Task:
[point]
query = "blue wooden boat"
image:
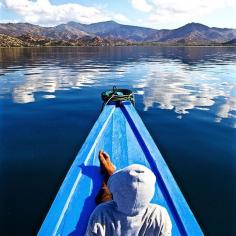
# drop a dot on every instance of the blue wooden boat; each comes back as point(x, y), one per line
point(120, 132)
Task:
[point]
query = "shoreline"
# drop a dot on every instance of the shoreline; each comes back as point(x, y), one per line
point(135, 45)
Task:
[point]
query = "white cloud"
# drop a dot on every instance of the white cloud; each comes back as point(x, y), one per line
point(120, 18)
point(45, 13)
point(179, 11)
point(141, 5)
point(9, 21)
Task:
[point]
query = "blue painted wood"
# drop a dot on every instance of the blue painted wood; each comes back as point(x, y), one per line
point(119, 131)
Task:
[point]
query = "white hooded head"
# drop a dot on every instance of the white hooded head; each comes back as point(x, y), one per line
point(132, 188)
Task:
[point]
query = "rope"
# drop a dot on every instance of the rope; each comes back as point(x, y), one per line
point(116, 98)
point(105, 103)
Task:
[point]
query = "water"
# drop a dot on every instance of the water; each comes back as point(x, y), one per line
point(50, 98)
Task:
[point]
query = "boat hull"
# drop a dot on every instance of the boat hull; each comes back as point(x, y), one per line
point(120, 132)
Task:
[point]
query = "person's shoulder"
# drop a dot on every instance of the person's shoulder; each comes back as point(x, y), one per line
point(158, 213)
point(159, 219)
point(157, 208)
point(104, 209)
point(99, 218)
point(106, 205)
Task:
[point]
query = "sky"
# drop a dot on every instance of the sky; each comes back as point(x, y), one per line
point(157, 14)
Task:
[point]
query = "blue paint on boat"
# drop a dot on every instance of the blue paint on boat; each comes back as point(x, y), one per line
point(120, 132)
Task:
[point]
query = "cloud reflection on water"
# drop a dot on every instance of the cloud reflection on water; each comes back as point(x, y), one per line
point(168, 84)
point(177, 87)
point(47, 81)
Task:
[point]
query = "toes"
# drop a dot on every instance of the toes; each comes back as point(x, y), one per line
point(100, 153)
point(106, 156)
point(103, 161)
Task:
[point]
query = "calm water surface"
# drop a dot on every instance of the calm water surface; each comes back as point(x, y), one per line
point(50, 98)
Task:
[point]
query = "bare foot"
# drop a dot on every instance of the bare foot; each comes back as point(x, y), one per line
point(107, 166)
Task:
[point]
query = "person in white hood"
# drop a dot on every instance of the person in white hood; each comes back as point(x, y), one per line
point(124, 203)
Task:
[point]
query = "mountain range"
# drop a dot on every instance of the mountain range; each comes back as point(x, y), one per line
point(112, 33)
